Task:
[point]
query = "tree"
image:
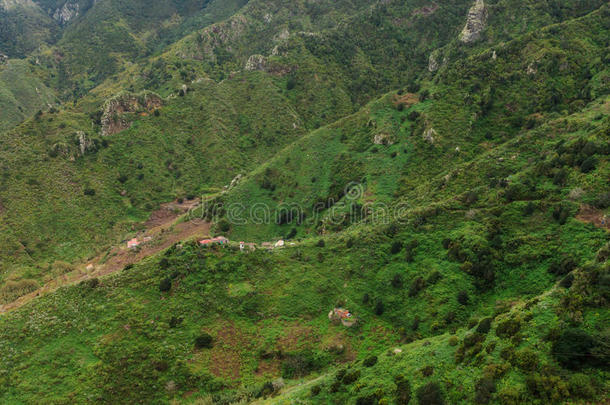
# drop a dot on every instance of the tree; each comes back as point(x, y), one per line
point(204, 341)
point(403, 390)
point(165, 284)
point(574, 348)
point(430, 394)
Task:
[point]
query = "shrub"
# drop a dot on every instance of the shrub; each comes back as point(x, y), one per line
point(434, 277)
point(174, 321)
point(527, 359)
point(548, 388)
point(567, 281)
point(397, 281)
point(430, 394)
point(300, 364)
point(165, 284)
point(351, 377)
point(204, 341)
point(580, 386)
point(483, 389)
point(379, 309)
point(508, 328)
point(321, 243)
point(416, 286)
point(484, 325)
point(89, 192)
point(588, 164)
point(574, 348)
point(427, 371)
point(224, 225)
point(462, 298)
point(562, 268)
point(453, 341)
point(315, 390)
point(403, 390)
point(370, 361)
point(396, 247)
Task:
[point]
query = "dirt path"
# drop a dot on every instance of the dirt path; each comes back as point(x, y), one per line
point(163, 229)
point(593, 216)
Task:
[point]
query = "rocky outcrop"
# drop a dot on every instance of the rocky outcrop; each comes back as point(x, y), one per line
point(85, 143)
point(383, 138)
point(429, 135)
point(256, 62)
point(433, 64)
point(3, 58)
point(475, 23)
point(66, 13)
point(118, 111)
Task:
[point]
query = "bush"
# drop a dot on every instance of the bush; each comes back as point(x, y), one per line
point(396, 247)
point(315, 390)
point(89, 192)
point(508, 328)
point(483, 389)
point(370, 361)
point(300, 364)
point(321, 243)
point(204, 341)
point(567, 281)
point(416, 286)
point(527, 359)
point(434, 277)
point(588, 165)
point(580, 386)
point(462, 298)
point(351, 377)
point(453, 341)
point(574, 348)
point(427, 371)
point(562, 268)
point(403, 390)
point(430, 394)
point(484, 325)
point(548, 388)
point(224, 225)
point(379, 309)
point(397, 281)
point(165, 285)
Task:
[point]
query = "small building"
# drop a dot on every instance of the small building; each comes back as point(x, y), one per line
point(279, 243)
point(242, 246)
point(342, 315)
point(133, 243)
point(219, 240)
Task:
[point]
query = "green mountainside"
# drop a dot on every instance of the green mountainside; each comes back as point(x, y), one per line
point(439, 169)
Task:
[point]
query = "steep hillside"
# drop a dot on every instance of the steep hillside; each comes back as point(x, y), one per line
point(439, 170)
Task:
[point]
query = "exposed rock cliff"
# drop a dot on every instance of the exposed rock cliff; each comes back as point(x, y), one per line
point(118, 110)
point(475, 23)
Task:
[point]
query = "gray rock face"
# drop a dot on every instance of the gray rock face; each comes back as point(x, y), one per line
point(67, 12)
point(475, 23)
point(3, 58)
point(256, 62)
point(85, 143)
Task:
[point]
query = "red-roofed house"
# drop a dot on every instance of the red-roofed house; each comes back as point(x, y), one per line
point(132, 244)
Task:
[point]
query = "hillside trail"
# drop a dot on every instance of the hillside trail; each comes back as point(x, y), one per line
point(165, 227)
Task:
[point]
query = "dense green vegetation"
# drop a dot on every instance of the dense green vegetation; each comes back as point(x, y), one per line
point(453, 196)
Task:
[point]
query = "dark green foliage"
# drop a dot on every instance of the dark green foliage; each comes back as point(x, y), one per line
point(484, 326)
point(483, 390)
point(563, 267)
point(351, 377)
point(379, 309)
point(575, 349)
point(396, 247)
point(315, 390)
point(402, 395)
point(434, 277)
point(204, 341)
point(370, 361)
point(321, 243)
point(462, 298)
point(588, 164)
point(89, 192)
point(430, 394)
point(301, 364)
point(416, 286)
point(165, 285)
point(224, 225)
point(567, 281)
point(508, 328)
